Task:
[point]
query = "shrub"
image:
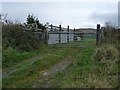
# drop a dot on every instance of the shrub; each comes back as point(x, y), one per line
point(14, 37)
point(106, 53)
point(106, 58)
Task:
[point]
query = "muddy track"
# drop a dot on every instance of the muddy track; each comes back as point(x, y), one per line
point(43, 81)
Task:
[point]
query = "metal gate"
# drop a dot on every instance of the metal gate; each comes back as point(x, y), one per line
point(64, 37)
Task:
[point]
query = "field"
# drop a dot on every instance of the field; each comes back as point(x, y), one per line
point(70, 65)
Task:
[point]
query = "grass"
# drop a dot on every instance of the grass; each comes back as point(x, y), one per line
point(29, 72)
point(75, 76)
point(86, 42)
point(83, 73)
point(11, 57)
point(87, 73)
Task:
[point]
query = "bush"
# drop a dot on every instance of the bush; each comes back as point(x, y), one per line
point(106, 53)
point(106, 60)
point(14, 37)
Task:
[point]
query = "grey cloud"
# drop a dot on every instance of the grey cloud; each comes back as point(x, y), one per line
point(119, 14)
point(73, 14)
point(105, 17)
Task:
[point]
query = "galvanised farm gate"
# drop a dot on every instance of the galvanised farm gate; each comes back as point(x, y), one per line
point(58, 34)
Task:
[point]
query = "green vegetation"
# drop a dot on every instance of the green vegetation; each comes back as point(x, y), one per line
point(32, 20)
point(14, 37)
point(12, 57)
point(87, 72)
point(90, 68)
point(87, 42)
point(25, 59)
point(25, 70)
point(26, 74)
point(76, 75)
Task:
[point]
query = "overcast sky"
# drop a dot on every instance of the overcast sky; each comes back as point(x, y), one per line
point(75, 14)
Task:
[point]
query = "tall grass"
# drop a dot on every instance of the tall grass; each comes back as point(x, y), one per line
point(106, 57)
point(12, 57)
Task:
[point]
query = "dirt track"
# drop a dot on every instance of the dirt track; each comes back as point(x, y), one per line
point(46, 76)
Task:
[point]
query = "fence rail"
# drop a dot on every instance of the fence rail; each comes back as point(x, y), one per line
point(51, 29)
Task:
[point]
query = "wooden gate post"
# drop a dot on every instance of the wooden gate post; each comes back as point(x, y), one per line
point(74, 36)
point(68, 33)
point(51, 27)
point(98, 34)
point(59, 33)
point(46, 36)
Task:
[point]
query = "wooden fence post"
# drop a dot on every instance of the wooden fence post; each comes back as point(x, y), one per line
point(98, 34)
point(39, 35)
point(74, 36)
point(46, 37)
point(68, 33)
point(59, 33)
point(51, 27)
